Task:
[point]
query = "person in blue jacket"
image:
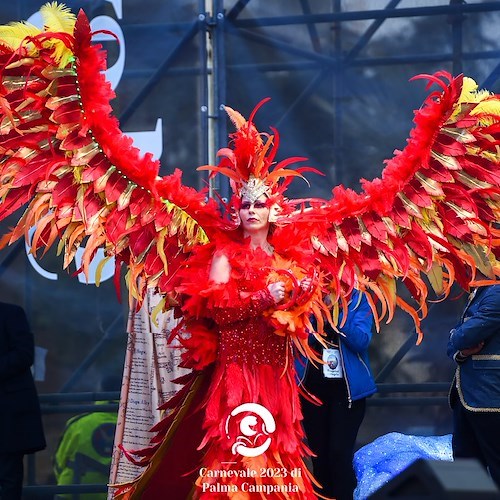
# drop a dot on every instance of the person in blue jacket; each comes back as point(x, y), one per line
point(474, 344)
point(342, 383)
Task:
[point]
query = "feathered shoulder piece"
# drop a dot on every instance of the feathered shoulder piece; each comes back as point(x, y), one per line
point(64, 155)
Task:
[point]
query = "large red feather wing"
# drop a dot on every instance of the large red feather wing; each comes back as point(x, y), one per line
point(84, 183)
point(431, 219)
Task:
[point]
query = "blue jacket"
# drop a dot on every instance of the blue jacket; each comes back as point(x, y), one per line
point(478, 376)
point(353, 348)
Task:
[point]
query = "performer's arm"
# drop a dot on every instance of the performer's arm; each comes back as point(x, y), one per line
point(242, 309)
point(239, 308)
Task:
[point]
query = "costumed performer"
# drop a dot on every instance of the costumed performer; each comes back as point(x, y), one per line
point(244, 299)
point(429, 222)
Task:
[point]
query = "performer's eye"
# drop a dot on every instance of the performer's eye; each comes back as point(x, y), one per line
point(258, 204)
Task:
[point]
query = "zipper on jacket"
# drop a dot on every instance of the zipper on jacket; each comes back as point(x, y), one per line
point(452, 386)
point(349, 399)
point(306, 369)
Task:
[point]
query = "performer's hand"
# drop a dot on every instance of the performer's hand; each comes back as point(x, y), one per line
point(306, 283)
point(472, 350)
point(277, 290)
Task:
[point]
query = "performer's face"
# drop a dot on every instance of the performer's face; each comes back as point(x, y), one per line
point(254, 216)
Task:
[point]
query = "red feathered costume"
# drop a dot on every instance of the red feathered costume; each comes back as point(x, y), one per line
point(253, 365)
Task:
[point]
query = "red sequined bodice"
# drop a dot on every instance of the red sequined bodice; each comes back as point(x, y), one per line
point(252, 341)
point(246, 335)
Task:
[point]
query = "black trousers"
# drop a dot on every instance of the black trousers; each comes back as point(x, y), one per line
point(477, 435)
point(331, 431)
point(11, 476)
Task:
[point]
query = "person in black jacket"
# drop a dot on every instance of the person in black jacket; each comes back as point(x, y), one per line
point(21, 430)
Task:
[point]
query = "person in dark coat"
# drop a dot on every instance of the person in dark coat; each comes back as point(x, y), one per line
point(474, 344)
point(21, 430)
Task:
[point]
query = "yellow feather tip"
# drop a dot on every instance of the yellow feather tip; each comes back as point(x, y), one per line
point(469, 87)
point(58, 17)
point(13, 34)
point(489, 107)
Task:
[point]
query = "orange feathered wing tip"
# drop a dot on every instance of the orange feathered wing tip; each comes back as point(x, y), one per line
point(248, 161)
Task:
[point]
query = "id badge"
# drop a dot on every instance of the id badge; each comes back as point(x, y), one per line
point(332, 367)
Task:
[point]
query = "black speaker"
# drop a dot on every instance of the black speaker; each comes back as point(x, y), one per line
point(462, 479)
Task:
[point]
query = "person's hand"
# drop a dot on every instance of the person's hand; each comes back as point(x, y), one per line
point(277, 290)
point(472, 350)
point(306, 283)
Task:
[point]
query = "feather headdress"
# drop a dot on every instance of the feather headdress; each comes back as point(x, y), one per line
point(248, 161)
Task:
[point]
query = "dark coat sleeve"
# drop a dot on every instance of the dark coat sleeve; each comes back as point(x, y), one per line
point(17, 344)
point(21, 427)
